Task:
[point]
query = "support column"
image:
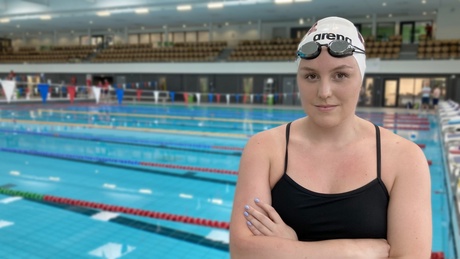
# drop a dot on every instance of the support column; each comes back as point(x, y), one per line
point(259, 29)
point(374, 25)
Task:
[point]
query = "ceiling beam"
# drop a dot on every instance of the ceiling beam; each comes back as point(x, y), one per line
point(42, 2)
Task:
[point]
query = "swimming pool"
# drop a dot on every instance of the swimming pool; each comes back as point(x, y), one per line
point(147, 181)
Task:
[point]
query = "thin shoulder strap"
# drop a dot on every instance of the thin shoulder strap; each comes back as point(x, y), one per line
point(377, 133)
point(288, 129)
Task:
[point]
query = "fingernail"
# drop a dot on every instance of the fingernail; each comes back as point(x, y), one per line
point(248, 223)
point(246, 213)
point(246, 207)
point(256, 200)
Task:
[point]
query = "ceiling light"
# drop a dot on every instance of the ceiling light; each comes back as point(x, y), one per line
point(141, 10)
point(4, 20)
point(184, 7)
point(103, 13)
point(390, 15)
point(283, 1)
point(298, 1)
point(384, 4)
point(215, 5)
point(424, 13)
point(45, 17)
point(301, 21)
point(423, 1)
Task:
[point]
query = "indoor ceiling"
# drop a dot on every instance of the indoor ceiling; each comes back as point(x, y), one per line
point(18, 17)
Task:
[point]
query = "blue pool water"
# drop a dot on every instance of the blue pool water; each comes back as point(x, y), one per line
point(177, 160)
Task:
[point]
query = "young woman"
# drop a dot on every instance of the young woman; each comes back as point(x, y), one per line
point(331, 185)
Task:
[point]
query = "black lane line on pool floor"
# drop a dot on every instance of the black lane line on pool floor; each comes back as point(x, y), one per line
point(148, 227)
point(139, 225)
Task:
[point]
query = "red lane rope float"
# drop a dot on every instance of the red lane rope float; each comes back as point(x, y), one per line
point(120, 161)
point(138, 212)
point(406, 127)
point(407, 121)
point(454, 151)
point(421, 145)
point(227, 148)
point(190, 168)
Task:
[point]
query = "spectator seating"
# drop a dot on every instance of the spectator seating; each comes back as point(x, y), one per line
point(390, 49)
point(265, 50)
point(438, 49)
point(57, 54)
point(177, 52)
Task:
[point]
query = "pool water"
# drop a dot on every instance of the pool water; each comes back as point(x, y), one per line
point(148, 181)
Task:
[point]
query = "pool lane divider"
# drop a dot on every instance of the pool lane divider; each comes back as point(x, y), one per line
point(120, 161)
point(186, 146)
point(126, 128)
point(114, 208)
point(175, 117)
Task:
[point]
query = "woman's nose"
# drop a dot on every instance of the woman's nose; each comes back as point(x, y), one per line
point(324, 90)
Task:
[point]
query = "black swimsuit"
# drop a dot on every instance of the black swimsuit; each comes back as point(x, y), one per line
point(360, 213)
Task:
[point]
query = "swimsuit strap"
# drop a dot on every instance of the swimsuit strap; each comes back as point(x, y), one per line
point(377, 133)
point(288, 127)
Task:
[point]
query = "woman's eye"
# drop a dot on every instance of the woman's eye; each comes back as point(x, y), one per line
point(341, 76)
point(311, 76)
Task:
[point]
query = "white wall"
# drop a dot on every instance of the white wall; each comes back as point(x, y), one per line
point(373, 66)
point(447, 23)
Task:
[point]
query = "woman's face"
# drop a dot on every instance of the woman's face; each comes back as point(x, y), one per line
point(329, 88)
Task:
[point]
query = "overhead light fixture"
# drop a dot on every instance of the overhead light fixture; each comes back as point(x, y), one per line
point(184, 7)
point(283, 1)
point(103, 13)
point(299, 1)
point(141, 10)
point(4, 20)
point(45, 17)
point(301, 21)
point(215, 5)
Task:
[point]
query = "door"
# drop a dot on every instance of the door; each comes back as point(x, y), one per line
point(390, 93)
point(407, 30)
point(289, 90)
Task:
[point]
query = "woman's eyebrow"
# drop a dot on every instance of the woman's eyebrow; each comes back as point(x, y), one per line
point(306, 68)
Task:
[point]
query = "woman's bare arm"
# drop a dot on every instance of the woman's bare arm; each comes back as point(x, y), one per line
point(409, 212)
point(253, 181)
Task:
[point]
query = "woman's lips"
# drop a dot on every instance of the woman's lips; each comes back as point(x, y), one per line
point(326, 107)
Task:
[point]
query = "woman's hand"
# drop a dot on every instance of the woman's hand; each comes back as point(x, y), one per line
point(267, 222)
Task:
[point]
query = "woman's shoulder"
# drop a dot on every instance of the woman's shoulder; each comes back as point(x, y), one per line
point(399, 150)
point(269, 138)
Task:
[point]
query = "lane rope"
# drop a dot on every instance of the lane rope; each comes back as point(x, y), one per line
point(120, 161)
point(115, 208)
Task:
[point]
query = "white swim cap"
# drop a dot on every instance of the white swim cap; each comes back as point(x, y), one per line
point(336, 28)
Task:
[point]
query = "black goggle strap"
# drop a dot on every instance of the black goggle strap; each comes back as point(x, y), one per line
point(316, 53)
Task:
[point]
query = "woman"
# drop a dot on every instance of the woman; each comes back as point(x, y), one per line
point(320, 186)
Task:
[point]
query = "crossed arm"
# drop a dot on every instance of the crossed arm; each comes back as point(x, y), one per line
point(257, 231)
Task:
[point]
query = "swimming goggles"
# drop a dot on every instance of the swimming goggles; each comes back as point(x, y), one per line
point(336, 48)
